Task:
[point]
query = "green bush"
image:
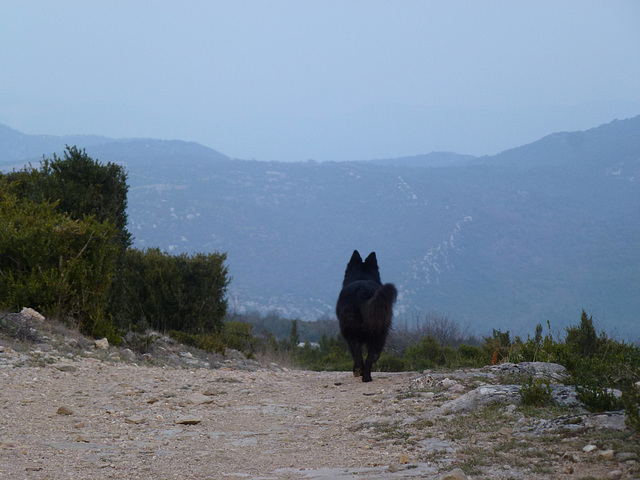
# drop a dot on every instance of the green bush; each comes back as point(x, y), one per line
point(535, 392)
point(181, 293)
point(209, 342)
point(536, 348)
point(239, 336)
point(497, 347)
point(428, 353)
point(50, 262)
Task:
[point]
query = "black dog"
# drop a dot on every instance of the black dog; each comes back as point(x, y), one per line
point(364, 310)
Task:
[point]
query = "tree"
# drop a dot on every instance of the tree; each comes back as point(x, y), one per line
point(78, 186)
point(294, 336)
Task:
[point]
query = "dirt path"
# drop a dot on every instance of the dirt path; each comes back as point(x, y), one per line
point(273, 424)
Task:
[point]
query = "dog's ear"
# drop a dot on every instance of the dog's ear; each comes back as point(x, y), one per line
point(372, 260)
point(355, 258)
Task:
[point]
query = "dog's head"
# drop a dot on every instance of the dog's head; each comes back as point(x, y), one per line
point(359, 270)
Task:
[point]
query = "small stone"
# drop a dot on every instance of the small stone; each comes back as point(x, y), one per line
point(135, 419)
point(128, 355)
point(624, 456)
point(42, 347)
point(448, 383)
point(199, 399)
point(80, 425)
point(394, 467)
point(188, 420)
point(65, 367)
point(589, 448)
point(102, 344)
point(64, 411)
point(615, 475)
point(455, 474)
point(608, 454)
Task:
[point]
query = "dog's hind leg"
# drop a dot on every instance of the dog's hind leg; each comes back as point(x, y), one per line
point(356, 352)
point(374, 349)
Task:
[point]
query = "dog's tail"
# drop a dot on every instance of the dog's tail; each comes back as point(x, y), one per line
point(379, 308)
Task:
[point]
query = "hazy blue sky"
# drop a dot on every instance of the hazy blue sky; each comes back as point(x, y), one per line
point(327, 80)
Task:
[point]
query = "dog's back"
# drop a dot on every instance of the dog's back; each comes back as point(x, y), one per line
point(364, 306)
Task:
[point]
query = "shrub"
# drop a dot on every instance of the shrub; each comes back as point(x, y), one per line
point(209, 342)
point(597, 364)
point(181, 293)
point(50, 262)
point(426, 354)
point(535, 392)
point(496, 347)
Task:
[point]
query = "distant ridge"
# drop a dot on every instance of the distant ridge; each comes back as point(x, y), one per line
point(593, 146)
point(16, 146)
point(433, 159)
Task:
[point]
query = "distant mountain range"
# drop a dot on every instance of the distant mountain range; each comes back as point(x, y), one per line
point(532, 234)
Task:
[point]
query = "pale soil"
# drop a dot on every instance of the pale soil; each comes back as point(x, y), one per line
point(274, 423)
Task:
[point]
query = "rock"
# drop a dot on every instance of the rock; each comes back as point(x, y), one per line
point(186, 354)
point(64, 411)
point(29, 314)
point(199, 399)
point(455, 474)
point(65, 367)
point(422, 382)
point(457, 388)
point(446, 383)
point(128, 355)
point(589, 448)
point(608, 454)
point(611, 420)
point(489, 394)
point(188, 420)
point(394, 467)
point(42, 347)
point(538, 369)
point(614, 475)
point(638, 387)
point(102, 344)
point(135, 419)
point(624, 456)
point(233, 354)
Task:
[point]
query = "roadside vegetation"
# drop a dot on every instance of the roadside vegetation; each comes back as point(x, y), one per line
point(65, 251)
